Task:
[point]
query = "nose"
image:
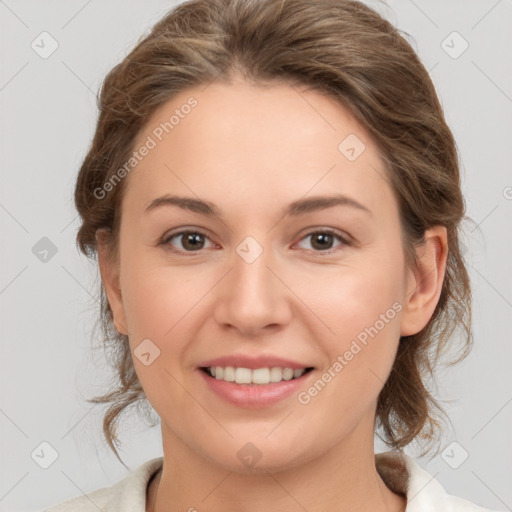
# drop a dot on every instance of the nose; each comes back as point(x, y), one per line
point(252, 298)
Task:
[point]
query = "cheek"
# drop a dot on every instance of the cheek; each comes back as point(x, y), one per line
point(157, 296)
point(150, 310)
point(365, 316)
point(363, 307)
point(356, 297)
point(159, 307)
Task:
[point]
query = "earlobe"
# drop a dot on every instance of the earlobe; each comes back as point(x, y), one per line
point(109, 271)
point(425, 282)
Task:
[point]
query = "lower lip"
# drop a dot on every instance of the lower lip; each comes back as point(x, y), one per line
point(254, 396)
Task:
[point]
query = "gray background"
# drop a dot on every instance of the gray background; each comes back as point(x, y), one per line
point(48, 368)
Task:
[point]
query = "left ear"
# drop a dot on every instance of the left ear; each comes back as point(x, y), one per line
point(425, 282)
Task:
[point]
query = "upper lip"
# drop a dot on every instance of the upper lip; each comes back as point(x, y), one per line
point(253, 362)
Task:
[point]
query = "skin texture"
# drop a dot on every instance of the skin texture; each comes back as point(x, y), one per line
point(252, 150)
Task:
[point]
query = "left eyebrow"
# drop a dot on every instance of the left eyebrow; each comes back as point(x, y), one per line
point(316, 203)
point(296, 208)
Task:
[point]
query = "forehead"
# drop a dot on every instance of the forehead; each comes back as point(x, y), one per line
point(245, 141)
point(226, 112)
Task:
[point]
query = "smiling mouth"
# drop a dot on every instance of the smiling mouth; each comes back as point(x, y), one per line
point(259, 376)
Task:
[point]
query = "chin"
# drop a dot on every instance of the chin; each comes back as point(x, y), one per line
point(258, 458)
point(261, 467)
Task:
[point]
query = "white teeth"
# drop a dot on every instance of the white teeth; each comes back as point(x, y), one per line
point(256, 376)
point(243, 376)
point(288, 374)
point(261, 376)
point(276, 374)
point(229, 374)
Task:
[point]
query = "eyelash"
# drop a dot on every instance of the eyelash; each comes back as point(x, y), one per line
point(330, 231)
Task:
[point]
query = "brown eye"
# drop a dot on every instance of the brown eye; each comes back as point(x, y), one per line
point(324, 240)
point(189, 241)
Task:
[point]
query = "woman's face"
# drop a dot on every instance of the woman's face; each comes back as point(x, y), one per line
point(278, 276)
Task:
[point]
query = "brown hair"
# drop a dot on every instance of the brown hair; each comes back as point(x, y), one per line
point(341, 48)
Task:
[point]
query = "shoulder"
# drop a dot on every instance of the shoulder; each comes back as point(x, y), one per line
point(129, 494)
point(402, 474)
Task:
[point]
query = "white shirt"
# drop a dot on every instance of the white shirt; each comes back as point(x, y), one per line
point(400, 472)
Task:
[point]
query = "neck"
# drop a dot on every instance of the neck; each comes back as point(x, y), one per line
point(345, 478)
